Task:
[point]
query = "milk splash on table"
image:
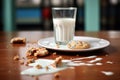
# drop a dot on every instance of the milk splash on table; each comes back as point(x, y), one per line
point(64, 29)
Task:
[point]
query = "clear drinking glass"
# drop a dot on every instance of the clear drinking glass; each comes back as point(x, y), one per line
point(64, 20)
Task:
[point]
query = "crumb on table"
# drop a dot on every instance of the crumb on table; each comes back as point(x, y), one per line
point(16, 58)
point(57, 75)
point(36, 52)
point(18, 40)
point(21, 61)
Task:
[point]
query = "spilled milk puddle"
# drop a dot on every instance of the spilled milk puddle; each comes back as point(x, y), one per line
point(48, 68)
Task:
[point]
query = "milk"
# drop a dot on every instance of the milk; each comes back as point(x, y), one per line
point(63, 29)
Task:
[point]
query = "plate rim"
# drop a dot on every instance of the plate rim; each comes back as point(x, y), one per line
point(75, 50)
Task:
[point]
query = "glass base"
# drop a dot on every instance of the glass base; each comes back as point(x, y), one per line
point(61, 43)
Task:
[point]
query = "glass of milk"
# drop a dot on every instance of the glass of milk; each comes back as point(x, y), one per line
point(64, 20)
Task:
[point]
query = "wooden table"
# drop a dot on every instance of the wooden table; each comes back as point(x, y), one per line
point(10, 69)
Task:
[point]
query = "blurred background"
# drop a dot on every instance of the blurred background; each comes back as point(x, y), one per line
point(17, 15)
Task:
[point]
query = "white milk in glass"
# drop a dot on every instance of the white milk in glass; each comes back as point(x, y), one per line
point(64, 29)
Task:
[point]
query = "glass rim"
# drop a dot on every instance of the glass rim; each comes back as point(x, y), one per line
point(59, 8)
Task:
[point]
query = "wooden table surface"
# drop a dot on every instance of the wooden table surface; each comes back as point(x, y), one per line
point(10, 69)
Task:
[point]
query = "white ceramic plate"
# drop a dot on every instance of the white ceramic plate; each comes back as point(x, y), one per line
point(96, 43)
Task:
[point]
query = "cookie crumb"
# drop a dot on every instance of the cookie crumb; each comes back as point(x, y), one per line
point(57, 75)
point(58, 61)
point(21, 62)
point(18, 40)
point(47, 67)
point(23, 58)
point(30, 61)
point(54, 54)
point(16, 58)
point(38, 66)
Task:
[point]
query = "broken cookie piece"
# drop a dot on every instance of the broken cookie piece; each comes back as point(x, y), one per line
point(58, 61)
point(16, 58)
point(36, 52)
point(18, 40)
point(38, 66)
